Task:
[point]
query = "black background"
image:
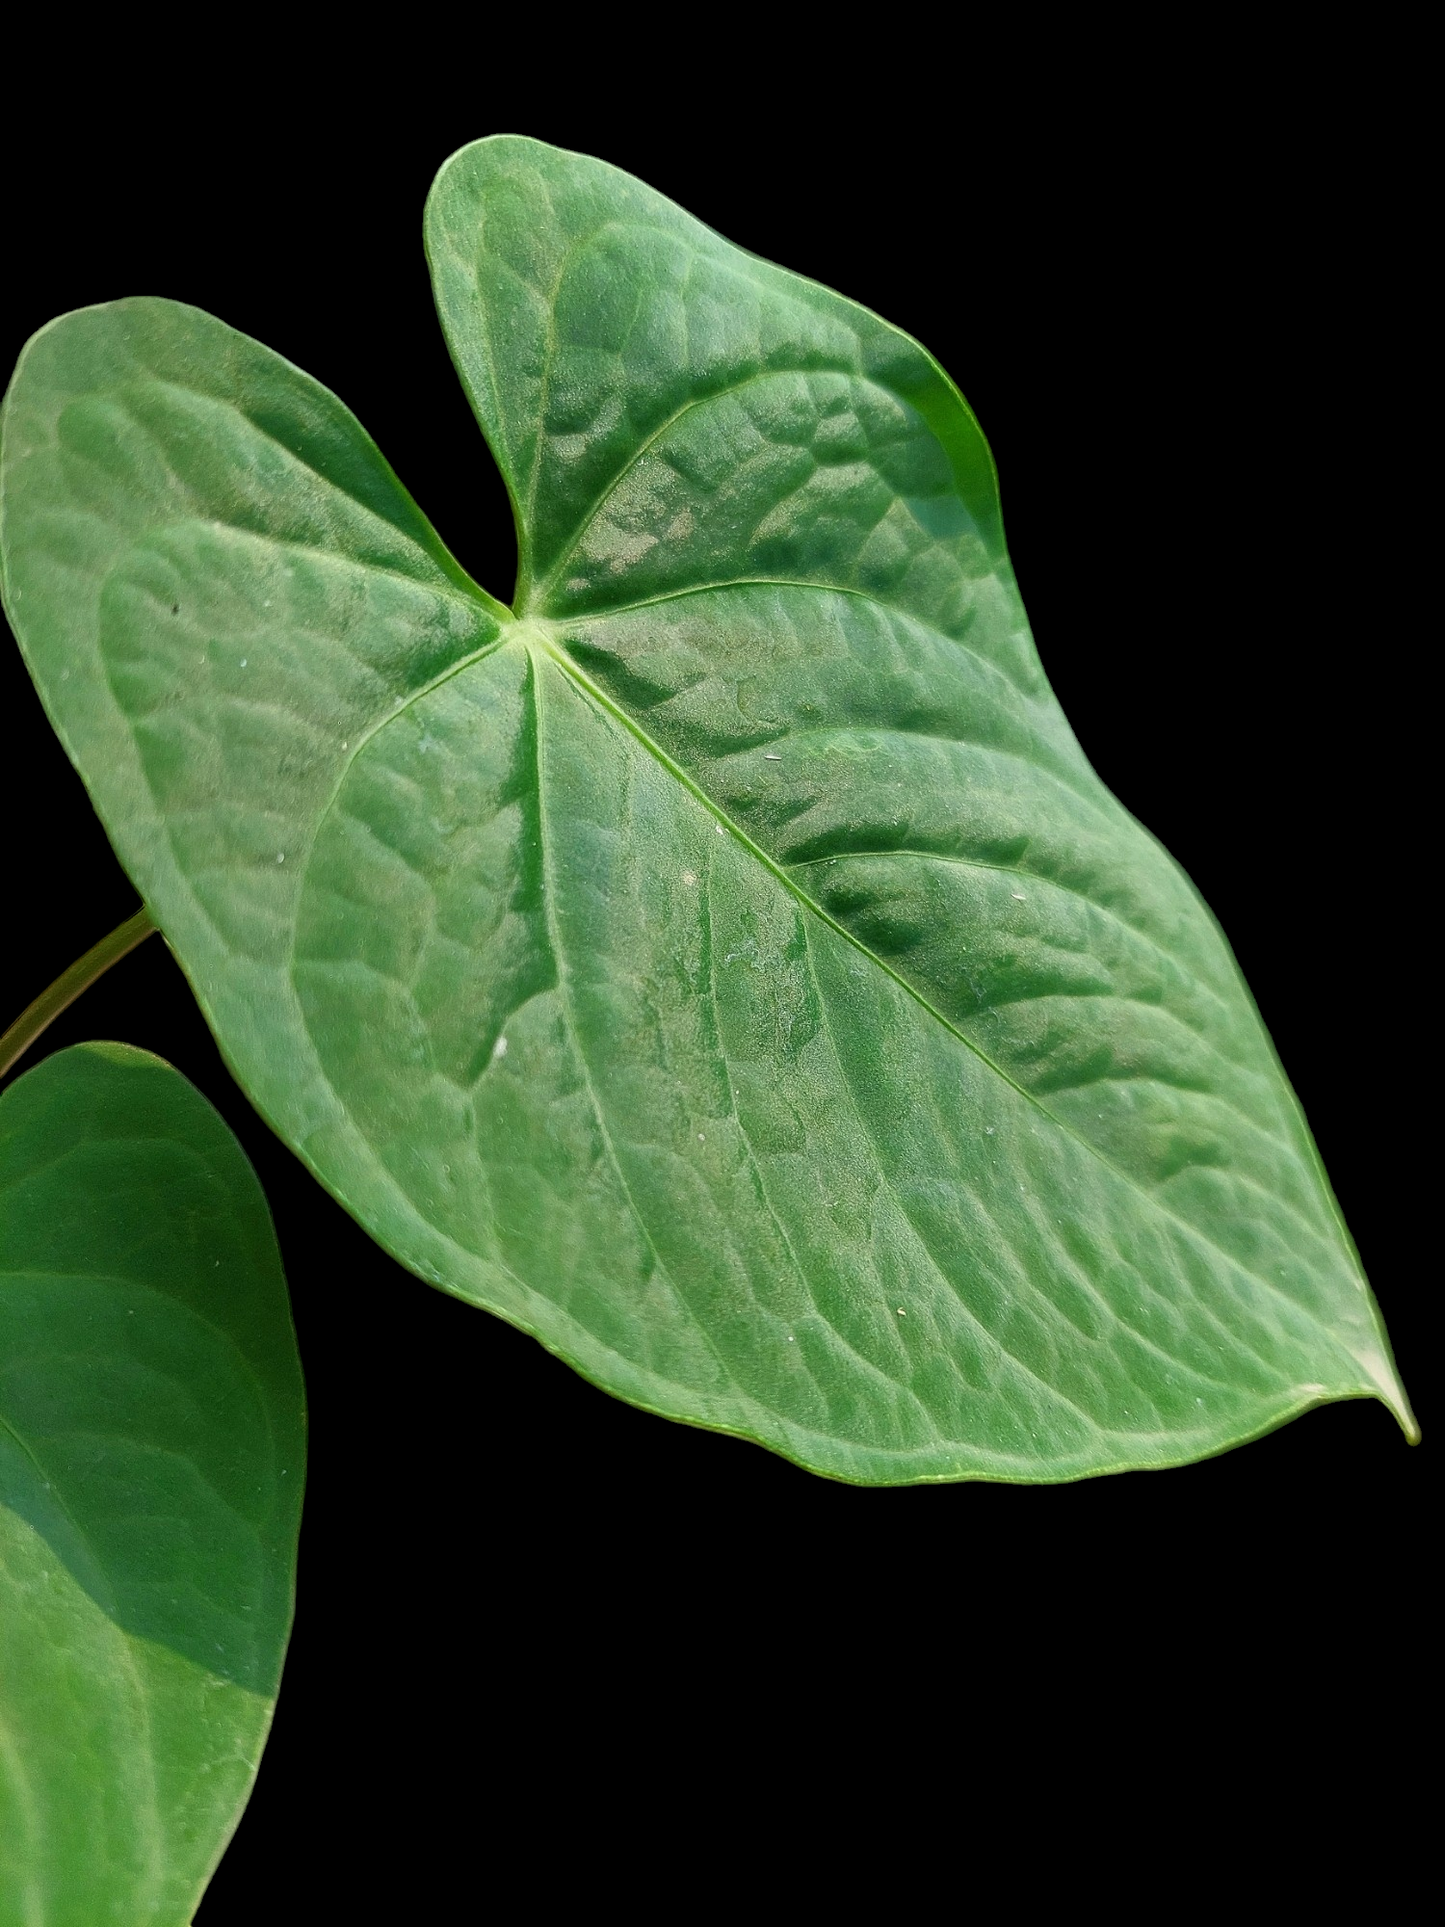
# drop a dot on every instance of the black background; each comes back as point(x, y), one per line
point(1180, 328)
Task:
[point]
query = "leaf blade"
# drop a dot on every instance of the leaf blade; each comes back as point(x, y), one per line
point(766, 602)
point(152, 1458)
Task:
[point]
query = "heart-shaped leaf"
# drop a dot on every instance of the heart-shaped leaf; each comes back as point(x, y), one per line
point(152, 1452)
point(726, 967)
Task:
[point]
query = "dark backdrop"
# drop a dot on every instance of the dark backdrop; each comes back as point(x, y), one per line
point(1174, 331)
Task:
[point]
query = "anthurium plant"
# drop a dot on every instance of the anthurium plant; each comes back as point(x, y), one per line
point(720, 961)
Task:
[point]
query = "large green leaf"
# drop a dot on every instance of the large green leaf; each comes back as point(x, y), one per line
point(152, 1450)
point(727, 968)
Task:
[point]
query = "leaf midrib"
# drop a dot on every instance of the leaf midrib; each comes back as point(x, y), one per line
point(584, 682)
point(674, 769)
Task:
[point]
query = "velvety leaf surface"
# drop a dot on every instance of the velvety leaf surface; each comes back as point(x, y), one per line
point(727, 968)
point(152, 1453)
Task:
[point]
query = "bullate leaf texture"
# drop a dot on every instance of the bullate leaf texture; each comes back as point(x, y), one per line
point(722, 963)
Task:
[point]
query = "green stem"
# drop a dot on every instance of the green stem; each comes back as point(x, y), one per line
point(68, 986)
